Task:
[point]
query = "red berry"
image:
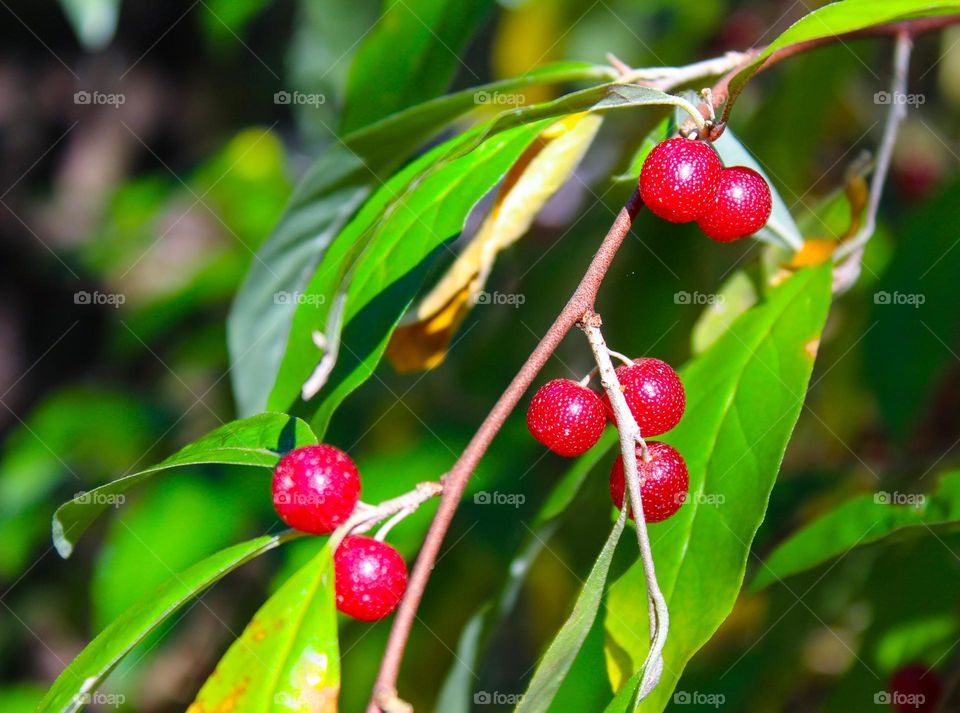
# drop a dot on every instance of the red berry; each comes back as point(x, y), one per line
point(663, 481)
point(915, 688)
point(742, 205)
point(315, 488)
point(654, 394)
point(370, 578)
point(679, 179)
point(565, 417)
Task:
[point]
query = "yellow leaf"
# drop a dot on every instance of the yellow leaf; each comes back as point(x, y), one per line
point(423, 337)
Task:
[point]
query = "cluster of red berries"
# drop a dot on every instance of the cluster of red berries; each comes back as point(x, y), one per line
point(569, 418)
point(315, 490)
point(684, 180)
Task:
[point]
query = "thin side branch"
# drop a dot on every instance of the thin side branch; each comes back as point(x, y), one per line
point(853, 249)
point(630, 436)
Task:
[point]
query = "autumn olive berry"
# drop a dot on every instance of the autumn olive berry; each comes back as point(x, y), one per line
point(370, 578)
point(663, 481)
point(315, 488)
point(679, 179)
point(741, 207)
point(653, 392)
point(915, 688)
point(566, 417)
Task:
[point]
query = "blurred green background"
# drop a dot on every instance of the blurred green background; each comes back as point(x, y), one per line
point(159, 202)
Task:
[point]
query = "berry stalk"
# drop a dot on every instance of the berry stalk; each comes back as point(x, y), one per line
point(629, 438)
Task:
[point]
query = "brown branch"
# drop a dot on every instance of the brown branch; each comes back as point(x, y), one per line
point(455, 481)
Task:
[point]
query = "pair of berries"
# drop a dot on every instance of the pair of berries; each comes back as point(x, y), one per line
point(683, 180)
point(315, 489)
point(569, 418)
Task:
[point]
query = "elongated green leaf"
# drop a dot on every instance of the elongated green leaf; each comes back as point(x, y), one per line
point(743, 398)
point(838, 18)
point(72, 689)
point(331, 192)
point(862, 521)
point(781, 229)
point(288, 657)
point(375, 267)
point(456, 695)
point(410, 56)
point(558, 659)
point(255, 441)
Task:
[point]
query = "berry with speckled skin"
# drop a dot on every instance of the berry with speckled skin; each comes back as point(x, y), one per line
point(653, 392)
point(663, 481)
point(566, 417)
point(741, 208)
point(370, 577)
point(315, 488)
point(915, 688)
point(679, 179)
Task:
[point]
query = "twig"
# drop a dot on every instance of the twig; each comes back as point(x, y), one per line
point(455, 481)
point(852, 250)
point(365, 517)
point(629, 437)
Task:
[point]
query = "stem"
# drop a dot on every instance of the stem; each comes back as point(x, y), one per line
point(629, 437)
point(366, 516)
point(898, 111)
point(455, 481)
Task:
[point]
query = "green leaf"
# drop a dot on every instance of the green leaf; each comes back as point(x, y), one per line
point(410, 56)
point(255, 441)
point(661, 132)
point(375, 268)
point(335, 187)
point(93, 21)
point(87, 671)
point(743, 398)
point(288, 657)
point(735, 296)
point(859, 522)
point(781, 229)
point(456, 695)
point(559, 657)
point(840, 18)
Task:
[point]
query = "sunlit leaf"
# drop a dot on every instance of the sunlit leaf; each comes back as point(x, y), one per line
point(744, 395)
